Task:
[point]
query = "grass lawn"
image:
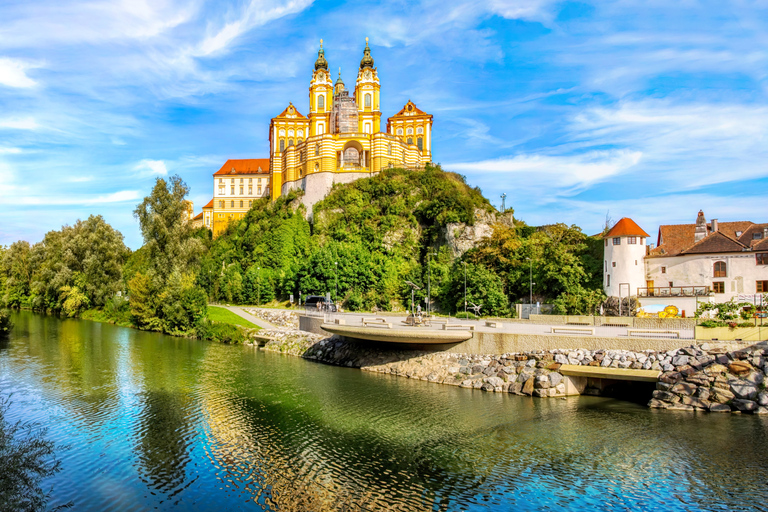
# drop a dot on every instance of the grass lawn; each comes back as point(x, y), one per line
point(225, 316)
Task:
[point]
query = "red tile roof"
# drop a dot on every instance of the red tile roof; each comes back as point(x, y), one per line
point(747, 237)
point(675, 238)
point(209, 205)
point(626, 227)
point(247, 166)
point(717, 242)
point(198, 216)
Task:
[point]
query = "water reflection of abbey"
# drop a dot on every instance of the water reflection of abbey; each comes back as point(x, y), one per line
point(341, 139)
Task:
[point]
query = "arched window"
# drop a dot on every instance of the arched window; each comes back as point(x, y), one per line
point(300, 133)
point(232, 205)
point(399, 131)
point(419, 130)
point(282, 133)
point(290, 133)
point(367, 128)
point(317, 149)
point(368, 101)
point(409, 131)
point(720, 269)
point(282, 145)
point(410, 140)
point(389, 149)
point(320, 129)
point(301, 140)
point(321, 102)
point(290, 142)
point(241, 204)
point(420, 143)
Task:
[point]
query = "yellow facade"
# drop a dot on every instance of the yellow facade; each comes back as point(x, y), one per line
point(342, 133)
point(235, 187)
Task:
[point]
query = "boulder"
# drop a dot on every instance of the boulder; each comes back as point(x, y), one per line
point(744, 389)
point(756, 378)
point(738, 404)
point(494, 381)
point(702, 393)
point(740, 368)
point(715, 369)
point(683, 388)
point(699, 378)
point(486, 387)
point(555, 379)
point(721, 396)
point(680, 407)
point(516, 388)
point(658, 404)
point(541, 393)
point(715, 407)
point(762, 398)
point(680, 360)
point(698, 403)
point(665, 396)
point(528, 387)
point(761, 410)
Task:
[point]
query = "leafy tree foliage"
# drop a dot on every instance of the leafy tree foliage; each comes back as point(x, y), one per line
point(164, 294)
point(70, 270)
point(26, 458)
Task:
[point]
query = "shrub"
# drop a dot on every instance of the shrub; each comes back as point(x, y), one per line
point(219, 332)
point(5, 323)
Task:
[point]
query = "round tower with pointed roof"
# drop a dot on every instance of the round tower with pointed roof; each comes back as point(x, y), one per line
point(623, 261)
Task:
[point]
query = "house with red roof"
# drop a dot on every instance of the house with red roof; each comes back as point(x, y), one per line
point(712, 261)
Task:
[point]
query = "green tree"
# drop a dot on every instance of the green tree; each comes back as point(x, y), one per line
point(483, 287)
point(18, 269)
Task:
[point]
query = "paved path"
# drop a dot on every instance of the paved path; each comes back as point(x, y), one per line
point(243, 314)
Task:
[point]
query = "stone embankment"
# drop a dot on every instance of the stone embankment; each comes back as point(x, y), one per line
point(702, 377)
point(277, 317)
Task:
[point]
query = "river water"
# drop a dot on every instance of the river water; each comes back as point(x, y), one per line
point(148, 421)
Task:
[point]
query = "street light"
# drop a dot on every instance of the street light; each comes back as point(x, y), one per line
point(530, 280)
point(503, 204)
point(429, 282)
point(414, 287)
point(258, 284)
point(465, 289)
point(336, 281)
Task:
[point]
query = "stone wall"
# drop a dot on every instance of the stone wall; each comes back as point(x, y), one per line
point(630, 321)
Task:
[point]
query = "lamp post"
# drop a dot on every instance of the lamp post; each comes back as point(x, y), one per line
point(258, 284)
point(503, 204)
point(465, 289)
point(429, 283)
point(336, 281)
point(414, 287)
point(530, 281)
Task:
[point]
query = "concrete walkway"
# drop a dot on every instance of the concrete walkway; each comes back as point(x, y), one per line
point(247, 316)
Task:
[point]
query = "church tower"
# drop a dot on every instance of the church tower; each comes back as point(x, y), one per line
point(367, 90)
point(320, 96)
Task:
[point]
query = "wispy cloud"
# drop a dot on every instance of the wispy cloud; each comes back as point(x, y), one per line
point(19, 123)
point(152, 167)
point(9, 151)
point(13, 73)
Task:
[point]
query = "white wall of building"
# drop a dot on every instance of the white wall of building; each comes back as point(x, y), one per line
point(623, 268)
point(740, 281)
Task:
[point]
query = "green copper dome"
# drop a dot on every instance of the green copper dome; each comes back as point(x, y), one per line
point(367, 61)
point(321, 63)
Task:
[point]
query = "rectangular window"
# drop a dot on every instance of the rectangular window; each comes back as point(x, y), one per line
point(241, 204)
point(617, 240)
point(663, 270)
point(259, 191)
point(608, 280)
point(761, 258)
point(642, 240)
point(232, 205)
point(632, 240)
point(757, 236)
point(671, 284)
point(762, 287)
point(241, 190)
point(606, 242)
point(250, 191)
point(718, 287)
point(613, 264)
point(221, 204)
point(232, 191)
point(250, 203)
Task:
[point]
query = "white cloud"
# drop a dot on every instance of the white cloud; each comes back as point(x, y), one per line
point(13, 73)
point(151, 167)
point(531, 10)
point(563, 174)
point(115, 197)
point(9, 151)
point(19, 123)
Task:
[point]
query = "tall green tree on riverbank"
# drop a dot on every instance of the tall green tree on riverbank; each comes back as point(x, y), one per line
point(164, 295)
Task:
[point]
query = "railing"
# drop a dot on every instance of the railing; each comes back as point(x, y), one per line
point(674, 291)
point(353, 167)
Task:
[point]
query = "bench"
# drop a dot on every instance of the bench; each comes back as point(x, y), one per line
point(376, 322)
point(578, 330)
point(495, 325)
point(340, 321)
point(577, 323)
point(654, 332)
point(447, 326)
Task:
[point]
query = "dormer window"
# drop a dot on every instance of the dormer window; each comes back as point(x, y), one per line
point(757, 236)
point(739, 233)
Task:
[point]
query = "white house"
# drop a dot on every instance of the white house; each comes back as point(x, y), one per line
point(623, 259)
point(714, 261)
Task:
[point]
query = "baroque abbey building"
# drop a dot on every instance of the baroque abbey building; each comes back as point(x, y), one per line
point(339, 141)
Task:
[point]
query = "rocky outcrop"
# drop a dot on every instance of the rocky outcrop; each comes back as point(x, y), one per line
point(460, 237)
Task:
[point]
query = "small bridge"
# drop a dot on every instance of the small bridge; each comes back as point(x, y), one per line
point(579, 378)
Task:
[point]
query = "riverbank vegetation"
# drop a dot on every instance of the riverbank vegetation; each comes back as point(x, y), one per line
point(26, 458)
point(5, 323)
point(365, 242)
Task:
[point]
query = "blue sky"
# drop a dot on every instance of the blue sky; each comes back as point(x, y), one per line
point(576, 110)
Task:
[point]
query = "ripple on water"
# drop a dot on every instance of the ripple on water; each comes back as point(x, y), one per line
point(168, 423)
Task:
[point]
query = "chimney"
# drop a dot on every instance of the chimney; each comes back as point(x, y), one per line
point(714, 225)
point(701, 227)
point(765, 233)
